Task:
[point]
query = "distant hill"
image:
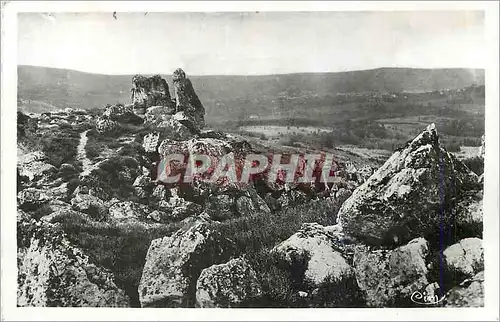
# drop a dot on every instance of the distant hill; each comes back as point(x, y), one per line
point(47, 87)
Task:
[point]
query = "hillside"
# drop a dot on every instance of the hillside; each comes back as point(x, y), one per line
point(104, 219)
point(69, 88)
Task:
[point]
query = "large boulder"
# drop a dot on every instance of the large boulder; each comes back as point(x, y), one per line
point(220, 207)
point(52, 272)
point(470, 293)
point(174, 128)
point(176, 209)
point(26, 126)
point(32, 198)
point(151, 141)
point(143, 186)
point(465, 258)
point(188, 102)
point(232, 284)
point(33, 165)
point(174, 263)
point(90, 205)
point(316, 258)
point(106, 126)
point(390, 277)
point(212, 148)
point(121, 114)
point(410, 196)
point(150, 91)
point(128, 211)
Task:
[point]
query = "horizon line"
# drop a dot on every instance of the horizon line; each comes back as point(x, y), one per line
point(254, 75)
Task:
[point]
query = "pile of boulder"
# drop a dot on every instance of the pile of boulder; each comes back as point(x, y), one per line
point(383, 252)
point(412, 227)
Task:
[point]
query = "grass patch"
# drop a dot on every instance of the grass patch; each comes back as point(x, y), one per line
point(120, 248)
point(115, 176)
point(254, 237)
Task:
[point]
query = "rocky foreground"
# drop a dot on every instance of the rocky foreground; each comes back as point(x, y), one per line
point(393, 237)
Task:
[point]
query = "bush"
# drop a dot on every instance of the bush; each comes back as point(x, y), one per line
point(115, 176)
point(253, 233)
point(59, 148)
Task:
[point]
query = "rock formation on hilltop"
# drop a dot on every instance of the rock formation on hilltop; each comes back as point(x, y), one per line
point(150, 91)
point(412, 195)
point(187, 101)
point(115, 115)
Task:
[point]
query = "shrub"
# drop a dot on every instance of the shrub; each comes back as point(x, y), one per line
point(59, 148)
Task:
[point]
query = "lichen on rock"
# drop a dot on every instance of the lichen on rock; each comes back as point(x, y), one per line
point(174, 263)
point(232, 284)
point(52, 272)
point(411, 195)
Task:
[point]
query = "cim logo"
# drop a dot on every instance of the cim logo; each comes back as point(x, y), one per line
point(426, 299)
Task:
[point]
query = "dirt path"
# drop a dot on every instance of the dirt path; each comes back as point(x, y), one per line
point(82, 155)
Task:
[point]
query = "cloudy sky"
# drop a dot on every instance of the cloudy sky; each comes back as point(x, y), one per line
point(250, 43)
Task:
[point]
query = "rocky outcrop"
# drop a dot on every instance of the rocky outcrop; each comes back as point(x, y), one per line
point(174, 127)
point(409, 196)
point(107, 126)
point(176, 209)
point(90, 205)
point(187, 102)
point(114, 116)
point(213, 148)
point(233, 203)
point(121, 114)
point(150, 91)
point(316, 256)
point(220, 207)
point(143, 186)
point(174, 263)
point(390, 277)
point(232, 284)
point(26, 126)
point(52, 272)
point(465, 258)
point(32, 198)
point(470, 293)
point(33, 165)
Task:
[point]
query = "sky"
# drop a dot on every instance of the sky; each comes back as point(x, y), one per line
point(251, 43)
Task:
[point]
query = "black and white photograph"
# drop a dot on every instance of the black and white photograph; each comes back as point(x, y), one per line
point(250, 159)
